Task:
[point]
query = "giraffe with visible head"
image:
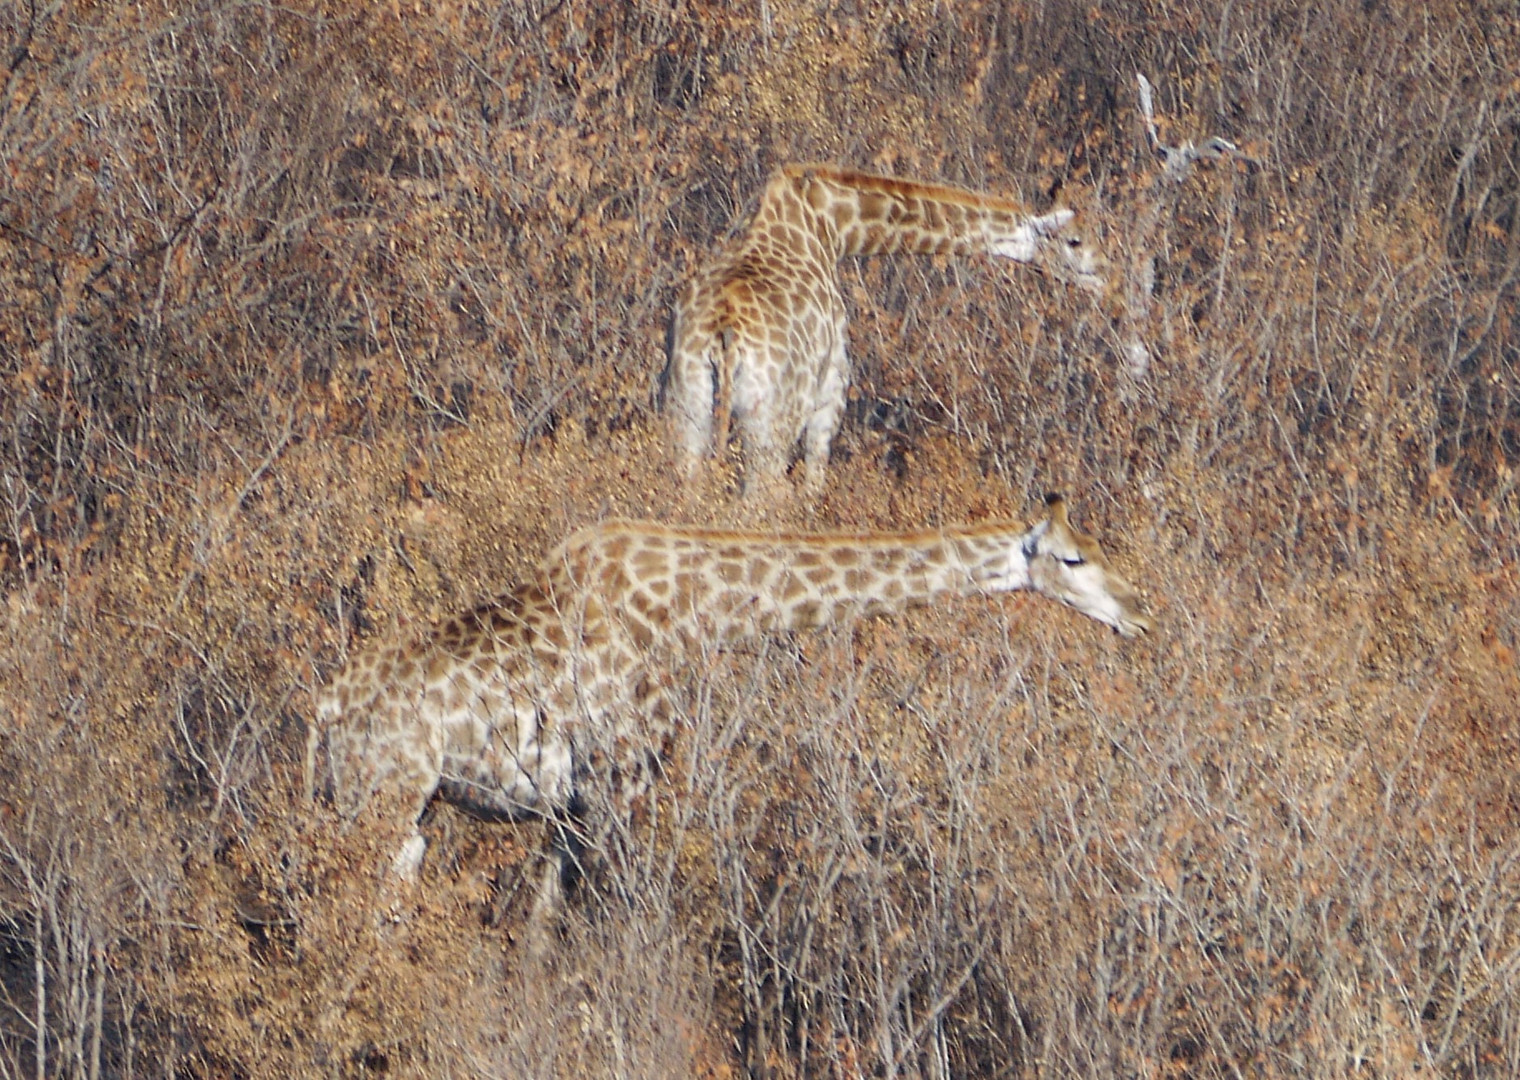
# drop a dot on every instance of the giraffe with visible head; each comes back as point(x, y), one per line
point(759, 332)
point(491, 709)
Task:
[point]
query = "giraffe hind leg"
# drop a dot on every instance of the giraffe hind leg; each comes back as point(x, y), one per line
point(823, 420)
point(562, 867)
point(408, 860)
point(693, 402)
point(414, 782)
point(723, 397)
point(766, 434)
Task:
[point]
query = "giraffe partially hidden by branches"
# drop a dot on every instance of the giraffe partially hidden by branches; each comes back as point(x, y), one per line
point(496, 710)
point(759, 331)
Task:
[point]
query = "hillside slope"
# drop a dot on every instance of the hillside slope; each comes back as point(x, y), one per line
point(315, 322)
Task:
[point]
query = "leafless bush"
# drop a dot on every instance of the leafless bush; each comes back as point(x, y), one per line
point(315, 317)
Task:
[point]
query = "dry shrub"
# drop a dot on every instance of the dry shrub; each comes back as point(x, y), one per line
point(316, 317)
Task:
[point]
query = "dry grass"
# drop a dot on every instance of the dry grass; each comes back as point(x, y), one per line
point(313, 321)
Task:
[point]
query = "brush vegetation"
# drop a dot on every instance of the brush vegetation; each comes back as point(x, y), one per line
point(317, 318)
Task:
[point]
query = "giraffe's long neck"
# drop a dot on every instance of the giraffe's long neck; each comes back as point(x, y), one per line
point(812, 581)
point(872, 215)
point(703, 584)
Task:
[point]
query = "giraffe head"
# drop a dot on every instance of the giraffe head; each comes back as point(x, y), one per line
point(1053, 243)
point(1068, 565)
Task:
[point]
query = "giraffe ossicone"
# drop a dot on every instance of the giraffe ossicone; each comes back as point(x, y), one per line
point(492, 709)
point(758, 336)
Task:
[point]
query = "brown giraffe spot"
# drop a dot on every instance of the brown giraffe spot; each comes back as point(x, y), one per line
point(820, 575)
point(857, 581)
point(640, 631)
point(616, 546)
point(648, 564)
point(552, 632)
point(594, 634)
point(613, 580)
point(872, 207)
point(687, 592)
point(660, 618)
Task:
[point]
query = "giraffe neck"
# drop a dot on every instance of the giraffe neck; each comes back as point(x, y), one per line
point(704, 584)
point(872, 215)
point(818, 580)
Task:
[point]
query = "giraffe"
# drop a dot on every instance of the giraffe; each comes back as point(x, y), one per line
point(494, 709)
point(759, 331)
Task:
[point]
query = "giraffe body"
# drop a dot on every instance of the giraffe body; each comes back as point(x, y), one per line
point(494, 710)
point(759, 332)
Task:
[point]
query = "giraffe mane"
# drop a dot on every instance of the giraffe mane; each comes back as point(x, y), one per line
point(892, 185)
point(718, 535)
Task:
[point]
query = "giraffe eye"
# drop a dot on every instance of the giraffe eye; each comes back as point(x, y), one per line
point(1073, 560)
